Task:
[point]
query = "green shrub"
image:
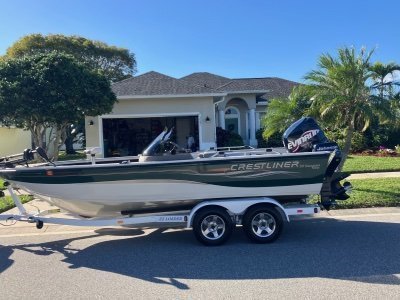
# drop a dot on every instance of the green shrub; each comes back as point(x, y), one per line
point(260, 140)
point(64, 156)
point(358, 143)
point(234, 140)
point(382, 135)
point(228, 139)
point(275, 140)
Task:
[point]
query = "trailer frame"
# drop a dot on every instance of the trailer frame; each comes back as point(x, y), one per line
point(235, 208)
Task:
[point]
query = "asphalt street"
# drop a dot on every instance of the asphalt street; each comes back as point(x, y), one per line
point(346, 256)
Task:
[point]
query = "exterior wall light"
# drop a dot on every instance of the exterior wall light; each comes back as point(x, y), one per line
point(207, 119)
point(91, 123)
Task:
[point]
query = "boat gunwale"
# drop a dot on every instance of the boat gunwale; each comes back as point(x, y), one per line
point(167, 162)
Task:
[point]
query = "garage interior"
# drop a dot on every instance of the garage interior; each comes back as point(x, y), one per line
point(130, 136)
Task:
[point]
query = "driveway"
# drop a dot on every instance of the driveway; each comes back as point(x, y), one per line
point(355, 253)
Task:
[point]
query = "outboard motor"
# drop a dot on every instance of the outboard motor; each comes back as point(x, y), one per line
point(305, 135)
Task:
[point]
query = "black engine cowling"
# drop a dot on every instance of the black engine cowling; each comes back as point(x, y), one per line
point(305, 135)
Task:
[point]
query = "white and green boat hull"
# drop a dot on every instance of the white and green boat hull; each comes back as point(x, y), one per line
point(112, 189)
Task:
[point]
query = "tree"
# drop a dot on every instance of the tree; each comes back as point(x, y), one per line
point(53, 91)
point(114, 63)
point(386, 85)
point(282, 112)
point(383, 78)
point(342, 95)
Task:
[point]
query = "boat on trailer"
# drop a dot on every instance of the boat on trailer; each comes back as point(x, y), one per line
point(234, 182)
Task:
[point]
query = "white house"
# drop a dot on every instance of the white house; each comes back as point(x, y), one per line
point(194, 105)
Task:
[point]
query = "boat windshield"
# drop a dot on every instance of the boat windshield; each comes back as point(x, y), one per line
point(162, 145)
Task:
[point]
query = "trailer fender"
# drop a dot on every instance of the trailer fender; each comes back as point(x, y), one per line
point(236, 206)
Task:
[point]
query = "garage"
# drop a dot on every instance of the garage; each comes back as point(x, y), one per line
point(130, 136)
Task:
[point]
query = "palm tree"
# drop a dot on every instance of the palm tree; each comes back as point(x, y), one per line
point(382, 76)
point(282, 112)
point(342, 94)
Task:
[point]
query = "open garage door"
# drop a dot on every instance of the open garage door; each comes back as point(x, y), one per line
point(129, 136)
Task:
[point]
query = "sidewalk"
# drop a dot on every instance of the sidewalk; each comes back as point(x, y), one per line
point(374, 175)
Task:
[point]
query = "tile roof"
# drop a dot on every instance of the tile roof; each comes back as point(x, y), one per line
point(154, 83)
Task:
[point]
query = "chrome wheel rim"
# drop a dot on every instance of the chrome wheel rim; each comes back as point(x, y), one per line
point(263, 224)
point(213, 227)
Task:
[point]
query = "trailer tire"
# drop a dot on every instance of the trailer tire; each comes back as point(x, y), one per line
point(262, 224)
point(212, 226)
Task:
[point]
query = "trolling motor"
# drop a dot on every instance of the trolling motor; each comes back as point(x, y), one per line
point(305, 135)
point(23, 158)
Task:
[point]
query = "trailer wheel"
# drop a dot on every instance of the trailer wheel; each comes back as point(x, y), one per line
point(262, 224)
point(212, 226)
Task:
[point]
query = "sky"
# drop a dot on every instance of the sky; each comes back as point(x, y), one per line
point(252, 38)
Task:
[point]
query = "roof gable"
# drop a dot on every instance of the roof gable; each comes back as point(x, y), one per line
point(275, 87)
point(206, 79)
point(154, 83)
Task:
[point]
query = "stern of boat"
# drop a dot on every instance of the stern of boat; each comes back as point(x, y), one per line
point(332, 187)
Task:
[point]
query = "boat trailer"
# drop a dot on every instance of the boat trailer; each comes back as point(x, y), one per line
point(212, 221)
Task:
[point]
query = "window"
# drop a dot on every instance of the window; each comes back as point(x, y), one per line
point(232, 120)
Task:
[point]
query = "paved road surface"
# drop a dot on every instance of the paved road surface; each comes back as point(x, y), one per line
point(334, 257)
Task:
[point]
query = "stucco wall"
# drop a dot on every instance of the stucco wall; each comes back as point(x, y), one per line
point(14, 140)
point(243, 109)
point(162, 107)
point(260, 112)
point(250, 99)
point(243, 102)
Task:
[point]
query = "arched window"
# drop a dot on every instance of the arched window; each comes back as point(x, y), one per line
point(232, 119)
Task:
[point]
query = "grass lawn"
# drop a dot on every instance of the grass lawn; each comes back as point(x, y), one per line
point(63, 156)
point(7, 203)
point(365, 164)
